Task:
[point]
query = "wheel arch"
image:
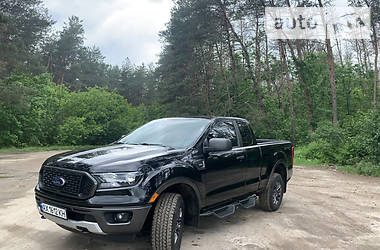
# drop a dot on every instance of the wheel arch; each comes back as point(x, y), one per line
point(279, 167)
point(190, 194)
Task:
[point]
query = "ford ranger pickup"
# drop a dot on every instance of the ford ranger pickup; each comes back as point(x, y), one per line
point(164, 175)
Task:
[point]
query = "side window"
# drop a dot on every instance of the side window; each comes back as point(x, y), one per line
point(246, 133)
point(224, 129)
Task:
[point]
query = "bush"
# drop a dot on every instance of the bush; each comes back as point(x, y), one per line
point(362, 138)
point(355, 146)
point(326, 145)
point(105, 115)
point(363, 168)
point(72, 132)
point(358, 139)
point(35, 111)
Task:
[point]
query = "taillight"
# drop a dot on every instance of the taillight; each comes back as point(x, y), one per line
point(292, 155)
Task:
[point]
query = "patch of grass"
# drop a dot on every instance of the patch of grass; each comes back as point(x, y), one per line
point(44, 148)
point(306, 162)
point(362, 168)
point(301, 160)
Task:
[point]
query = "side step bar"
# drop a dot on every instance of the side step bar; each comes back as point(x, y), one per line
point(229, 209)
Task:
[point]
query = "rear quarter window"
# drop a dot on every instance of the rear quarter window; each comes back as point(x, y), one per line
point(246, 133)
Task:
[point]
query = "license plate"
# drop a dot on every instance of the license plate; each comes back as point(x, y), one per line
point(56, 211)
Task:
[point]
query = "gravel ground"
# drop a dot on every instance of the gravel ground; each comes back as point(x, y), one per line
point(323, 209)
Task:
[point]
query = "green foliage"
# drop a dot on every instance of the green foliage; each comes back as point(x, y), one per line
point(215, 61)
point(44, 148)
point(300, 158)
point(356, 143)
point(23, 24)
point(64, 49)
point(325, 144)
point(104, 115)
point(321, 150)
point(362, 138)
point(73, 131)
point(186, 65)
point(363, 168)
point(351, 94)
point(35, 111)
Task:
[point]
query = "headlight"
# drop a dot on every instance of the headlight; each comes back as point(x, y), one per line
point(113, 180)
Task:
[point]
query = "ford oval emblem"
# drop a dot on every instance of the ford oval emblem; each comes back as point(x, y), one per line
point(58, 181)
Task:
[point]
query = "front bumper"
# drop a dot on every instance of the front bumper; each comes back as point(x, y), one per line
point(95, 219)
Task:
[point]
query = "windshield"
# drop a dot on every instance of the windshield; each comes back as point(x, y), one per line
point(176, 133)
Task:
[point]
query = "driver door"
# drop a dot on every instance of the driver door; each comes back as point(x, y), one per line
point(224, 173)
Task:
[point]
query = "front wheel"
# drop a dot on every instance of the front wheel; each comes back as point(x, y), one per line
point(271, 198)
point(168, 222)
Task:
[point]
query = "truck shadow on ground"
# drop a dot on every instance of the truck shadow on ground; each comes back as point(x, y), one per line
point(62, 239)
point(208, 224)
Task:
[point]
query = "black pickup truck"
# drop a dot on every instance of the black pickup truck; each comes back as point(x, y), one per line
point(163, 175)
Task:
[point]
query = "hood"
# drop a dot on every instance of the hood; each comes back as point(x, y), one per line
point(115, 158)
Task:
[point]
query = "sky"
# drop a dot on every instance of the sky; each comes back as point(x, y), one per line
point(120, 28)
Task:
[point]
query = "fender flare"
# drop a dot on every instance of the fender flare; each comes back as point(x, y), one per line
point(193, 210)
point(181, 180)
point(276, 165)
point(280, 162)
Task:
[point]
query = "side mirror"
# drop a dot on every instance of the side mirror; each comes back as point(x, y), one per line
point(218, 144)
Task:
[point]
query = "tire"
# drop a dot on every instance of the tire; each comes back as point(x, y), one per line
point(271, 198)
point(168, 222)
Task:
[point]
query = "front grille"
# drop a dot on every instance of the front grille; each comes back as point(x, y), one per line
point(77, 184)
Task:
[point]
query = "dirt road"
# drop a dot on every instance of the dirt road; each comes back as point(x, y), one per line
point(322, 209)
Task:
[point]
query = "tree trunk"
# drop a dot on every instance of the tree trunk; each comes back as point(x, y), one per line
point(246, 57)
point(365, 55)
point(233, 63)
point(339, 52)
point(281, 94)
point(289, 85)
point(330, 59)
point(221, 65)
point(376, 78)
point(60, 77)
point(257, 51)
point(267, 68)
point(306, 89)
point(299, 49)
point(358, 53)
point(332, 81)
point(376, 49)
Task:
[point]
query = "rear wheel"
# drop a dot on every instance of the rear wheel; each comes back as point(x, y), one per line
point(168, 222)
point(271, 198)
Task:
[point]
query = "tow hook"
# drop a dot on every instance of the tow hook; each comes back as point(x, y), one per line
point(83, 230)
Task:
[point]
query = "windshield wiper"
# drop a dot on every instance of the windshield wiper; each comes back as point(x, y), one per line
point(154, 144)
point(146, 144)
point(117, 142)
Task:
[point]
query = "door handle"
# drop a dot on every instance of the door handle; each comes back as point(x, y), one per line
point(240, 157)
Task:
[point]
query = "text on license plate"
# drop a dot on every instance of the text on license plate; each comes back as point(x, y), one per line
point(56, 211)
